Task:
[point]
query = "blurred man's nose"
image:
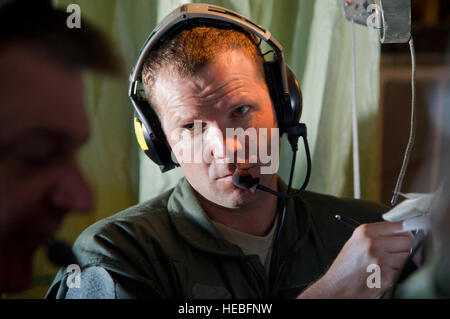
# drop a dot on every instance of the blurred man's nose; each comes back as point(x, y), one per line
point(72, 193)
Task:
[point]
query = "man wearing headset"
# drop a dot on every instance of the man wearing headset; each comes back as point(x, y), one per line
point(214, 235)
point(43, 123)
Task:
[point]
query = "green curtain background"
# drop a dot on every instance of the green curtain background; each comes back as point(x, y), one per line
point(317, 43)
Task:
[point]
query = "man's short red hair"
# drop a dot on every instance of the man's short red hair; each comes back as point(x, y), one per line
point(192, 49)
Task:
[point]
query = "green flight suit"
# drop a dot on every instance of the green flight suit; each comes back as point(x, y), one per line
point(167, 247)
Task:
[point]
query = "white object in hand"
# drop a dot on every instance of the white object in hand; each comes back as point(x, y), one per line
point(413, 211)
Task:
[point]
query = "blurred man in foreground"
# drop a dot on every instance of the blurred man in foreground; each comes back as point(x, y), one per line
point(42, 125)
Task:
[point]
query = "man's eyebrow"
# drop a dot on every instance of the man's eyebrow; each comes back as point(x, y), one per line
point(236, 101)
point(181, 116)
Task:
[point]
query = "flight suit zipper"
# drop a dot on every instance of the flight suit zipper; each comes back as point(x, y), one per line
point(258, 279)
point(280, 273)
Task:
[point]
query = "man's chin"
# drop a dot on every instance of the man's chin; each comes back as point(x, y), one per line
point(238, 198)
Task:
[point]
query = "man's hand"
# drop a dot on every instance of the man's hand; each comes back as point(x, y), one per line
point(377, 243)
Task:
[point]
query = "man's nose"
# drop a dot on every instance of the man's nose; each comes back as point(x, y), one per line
point(221, 146)
point(233, 147)
point(72, 193)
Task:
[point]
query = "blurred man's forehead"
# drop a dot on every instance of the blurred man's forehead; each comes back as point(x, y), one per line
point(37, 93)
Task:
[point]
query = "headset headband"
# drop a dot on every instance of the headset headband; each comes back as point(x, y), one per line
point(209, 15)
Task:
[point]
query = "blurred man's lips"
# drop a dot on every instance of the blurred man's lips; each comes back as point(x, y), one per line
point(37, 237)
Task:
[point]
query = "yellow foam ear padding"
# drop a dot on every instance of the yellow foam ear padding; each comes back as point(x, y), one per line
point(140, 134)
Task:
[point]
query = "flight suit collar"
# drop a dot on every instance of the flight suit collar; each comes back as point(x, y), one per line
point(194, 225)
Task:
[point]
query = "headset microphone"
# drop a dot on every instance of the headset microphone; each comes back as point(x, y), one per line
point(247, 181)
point(243, 179)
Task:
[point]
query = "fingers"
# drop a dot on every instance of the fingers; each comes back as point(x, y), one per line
point(382, 244)
point(381, 229)
point(388, 276)
point(391, 263)
point(396, 261)
point(389, 266)
point(393, 244)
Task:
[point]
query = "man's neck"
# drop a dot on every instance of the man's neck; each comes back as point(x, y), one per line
point(256, 218)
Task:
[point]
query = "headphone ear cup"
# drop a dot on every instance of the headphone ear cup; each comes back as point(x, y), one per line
point(150, 136)
point(295, 95)
point(279, 99)
point(288, 107)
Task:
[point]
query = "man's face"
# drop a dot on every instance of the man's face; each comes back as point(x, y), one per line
point(42, 124)
point(230, 93)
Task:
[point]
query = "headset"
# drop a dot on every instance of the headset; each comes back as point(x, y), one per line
point(283, 86)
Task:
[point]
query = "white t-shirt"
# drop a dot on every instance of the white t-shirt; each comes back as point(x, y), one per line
point(250, 244)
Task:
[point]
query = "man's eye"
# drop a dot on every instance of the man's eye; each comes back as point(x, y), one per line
point(38, 152)
point(241, 110)
point(198, 126)
point(39, 159)
point(189, 127)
